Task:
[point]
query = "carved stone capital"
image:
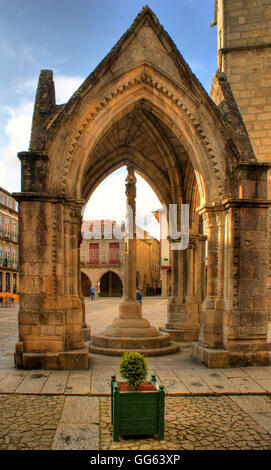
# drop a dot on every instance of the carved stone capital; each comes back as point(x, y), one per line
point(34, 170)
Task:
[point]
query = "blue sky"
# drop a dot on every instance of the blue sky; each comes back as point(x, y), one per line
point(71, 38)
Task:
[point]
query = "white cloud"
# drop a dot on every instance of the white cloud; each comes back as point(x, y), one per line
point(16, 128)
point(65, 87)
point(17, 134)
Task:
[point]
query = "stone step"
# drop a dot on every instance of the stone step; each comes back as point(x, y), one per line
point(160, 351)
point(130, 342)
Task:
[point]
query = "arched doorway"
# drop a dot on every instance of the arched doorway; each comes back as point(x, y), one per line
point(110, 285)
point(85, 285)
point(143, 106)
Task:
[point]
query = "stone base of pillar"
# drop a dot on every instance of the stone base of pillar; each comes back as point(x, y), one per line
point(222, 358)
point(180, 334)
point(148, 346)
point(131, 332)
point(77, 359)
point(183, 322)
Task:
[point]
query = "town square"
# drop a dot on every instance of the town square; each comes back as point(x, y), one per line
point(135, 246)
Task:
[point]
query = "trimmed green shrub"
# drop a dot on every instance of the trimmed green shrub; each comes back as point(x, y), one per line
point(133, 368)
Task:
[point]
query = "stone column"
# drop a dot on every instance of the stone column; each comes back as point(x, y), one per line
point(211, 319)
point(220, 218)
point(130, 321)
point(174, 274)
point(130, 330)
point(183, 311)
point(130, 265)
point(190, 293)
point(50, 324)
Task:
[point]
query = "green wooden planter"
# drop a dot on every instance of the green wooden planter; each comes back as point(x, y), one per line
point(137, 413)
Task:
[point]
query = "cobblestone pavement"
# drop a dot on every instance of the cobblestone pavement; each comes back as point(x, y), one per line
point(29, 423)
point(202, 423)
point(191, 423)
point(205, 408)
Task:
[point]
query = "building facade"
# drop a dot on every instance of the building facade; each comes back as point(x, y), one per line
point(8, 243)
point(102, 258)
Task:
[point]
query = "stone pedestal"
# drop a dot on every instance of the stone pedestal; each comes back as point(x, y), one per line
point(130, 331)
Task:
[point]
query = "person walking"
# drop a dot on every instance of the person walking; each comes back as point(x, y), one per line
point(138, 296)
point(92, 292)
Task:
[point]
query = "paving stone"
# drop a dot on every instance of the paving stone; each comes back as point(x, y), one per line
point(73, 436)
point(78, 386)
point(81, 410)
point(234, 372)
point(265, 384)
point(171, 382)
point(11, 382)
point(56, 383)
point(101, 382)
point(247, 385)
point(259, 408)
point(192, 381)
point(257, 372)
point(33, 382)
point(217, 381)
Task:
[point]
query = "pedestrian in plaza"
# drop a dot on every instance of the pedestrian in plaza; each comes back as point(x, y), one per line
point(92, 292)
point(138, 296)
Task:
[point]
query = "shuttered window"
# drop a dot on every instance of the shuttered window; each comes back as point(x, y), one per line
point(114, 253)
point(94, 253)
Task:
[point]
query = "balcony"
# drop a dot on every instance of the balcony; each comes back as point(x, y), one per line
point(100, 264)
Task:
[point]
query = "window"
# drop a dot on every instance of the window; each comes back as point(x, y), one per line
point(94, 253)
point(1, 225)
point(3, 199)
point(7, 257)
point(14, 287)
point(1, 254)
point(114, 253)
point(14, 258)
point(14, 231)
point(1, 282)
point(7, 228)
point(7, 282)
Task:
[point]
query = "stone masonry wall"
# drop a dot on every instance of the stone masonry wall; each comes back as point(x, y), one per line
point(244, 54)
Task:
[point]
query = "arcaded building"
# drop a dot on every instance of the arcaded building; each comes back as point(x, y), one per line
point(102, 259)
point(9, 252)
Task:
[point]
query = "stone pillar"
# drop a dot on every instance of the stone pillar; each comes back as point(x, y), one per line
point(211, 319)
point(246, 316)
point(190, 291)
point(220, 219)
point(240, 293)
point(183, 311)
point(130, 265)
point(130, 322)
point(50, 324)
point(174, 275)
point(130, 330)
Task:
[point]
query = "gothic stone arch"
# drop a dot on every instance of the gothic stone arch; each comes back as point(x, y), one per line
point(143, 105)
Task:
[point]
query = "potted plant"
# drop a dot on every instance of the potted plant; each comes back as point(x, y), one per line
point(137, 405)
